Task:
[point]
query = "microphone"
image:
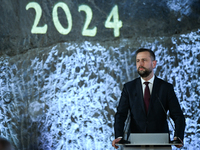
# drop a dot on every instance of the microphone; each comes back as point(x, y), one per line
point(122, 141)
point(127, 125)
point(177, 141)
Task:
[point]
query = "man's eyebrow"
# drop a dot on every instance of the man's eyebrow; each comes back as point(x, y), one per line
point(141, 58)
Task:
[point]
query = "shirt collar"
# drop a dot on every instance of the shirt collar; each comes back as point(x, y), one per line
point(150, 81)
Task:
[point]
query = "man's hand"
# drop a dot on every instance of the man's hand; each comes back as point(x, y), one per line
point(178, 146)
point(115, 141)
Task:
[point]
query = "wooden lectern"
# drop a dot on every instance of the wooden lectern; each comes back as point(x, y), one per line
point(148, 141)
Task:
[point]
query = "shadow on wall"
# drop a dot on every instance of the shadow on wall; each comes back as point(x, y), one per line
point(5, 144)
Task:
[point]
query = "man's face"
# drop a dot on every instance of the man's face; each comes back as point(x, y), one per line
point(144, 64)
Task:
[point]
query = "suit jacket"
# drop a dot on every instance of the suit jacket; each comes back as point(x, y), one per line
point(155, 121)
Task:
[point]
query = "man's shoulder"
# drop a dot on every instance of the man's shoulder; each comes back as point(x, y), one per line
point(132, 82)
point(161, 81)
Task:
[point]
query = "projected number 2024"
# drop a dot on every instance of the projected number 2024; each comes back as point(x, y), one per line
point(112, 20)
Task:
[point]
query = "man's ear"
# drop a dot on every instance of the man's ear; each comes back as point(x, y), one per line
point(154, 63)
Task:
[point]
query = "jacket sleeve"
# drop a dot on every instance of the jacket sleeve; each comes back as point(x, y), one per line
point(176, 113)
point(121, 114)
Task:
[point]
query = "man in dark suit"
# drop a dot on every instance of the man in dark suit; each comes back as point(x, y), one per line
point(143, 97)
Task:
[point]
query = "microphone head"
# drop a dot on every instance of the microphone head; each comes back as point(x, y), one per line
point(177, 141)
point(122, 141)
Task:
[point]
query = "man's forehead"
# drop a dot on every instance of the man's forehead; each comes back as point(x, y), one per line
point(143, 55)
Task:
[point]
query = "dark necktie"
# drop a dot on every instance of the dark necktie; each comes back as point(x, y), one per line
point(146, 96)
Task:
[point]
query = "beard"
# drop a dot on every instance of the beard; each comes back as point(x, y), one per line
point(144, 73)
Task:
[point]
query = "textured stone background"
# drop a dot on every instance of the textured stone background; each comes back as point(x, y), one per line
point(60, 92)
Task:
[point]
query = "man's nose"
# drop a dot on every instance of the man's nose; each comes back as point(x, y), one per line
point(141, 63)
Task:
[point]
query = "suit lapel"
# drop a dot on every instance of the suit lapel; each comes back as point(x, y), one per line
point(154, 94)
point(140, 94)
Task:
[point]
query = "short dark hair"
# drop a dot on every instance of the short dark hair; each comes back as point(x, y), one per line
point(153, 57)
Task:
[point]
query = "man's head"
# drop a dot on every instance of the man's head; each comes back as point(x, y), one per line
point(153, 57)
point(145, 63)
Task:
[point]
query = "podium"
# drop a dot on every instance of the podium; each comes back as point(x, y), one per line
point(148, 141)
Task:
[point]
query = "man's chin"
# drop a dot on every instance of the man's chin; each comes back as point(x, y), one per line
point(141, 73)
point(144, 74)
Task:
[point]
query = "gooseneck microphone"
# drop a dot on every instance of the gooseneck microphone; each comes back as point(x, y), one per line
point(126, 128)
point(178, 140)
point(124, 139)
point(127, 124)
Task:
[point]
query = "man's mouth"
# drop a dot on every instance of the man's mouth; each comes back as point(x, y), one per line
point(141, 68)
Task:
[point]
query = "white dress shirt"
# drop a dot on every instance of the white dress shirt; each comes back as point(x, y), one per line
point(150, 84)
